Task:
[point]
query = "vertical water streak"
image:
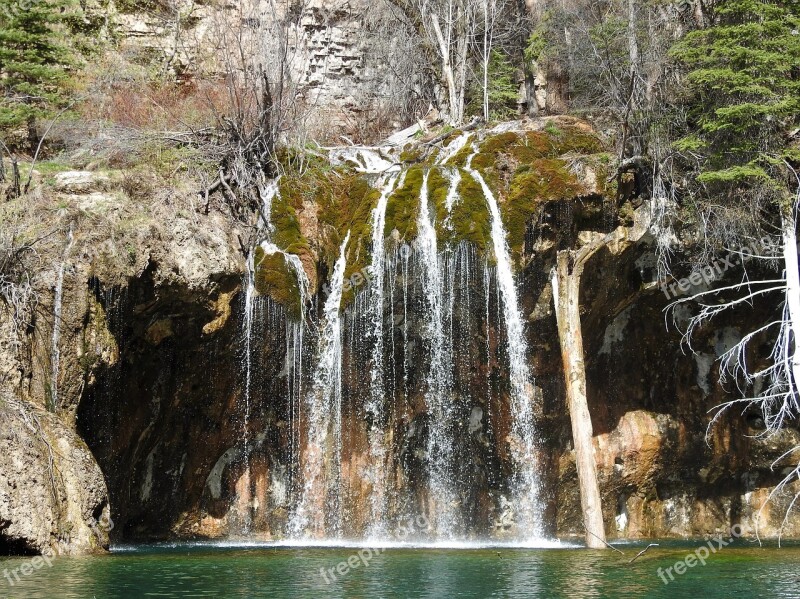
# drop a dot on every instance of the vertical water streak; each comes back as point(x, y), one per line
point(377, 392)
point(486, 290)
point(451, 150)
point(247, 333)
point(293, 262)
point(318, 510)
point(452, 196)
point(406, 256)
point(294, 376)
point(55, 352)
point(525, 486)
point(438, 391)
point(267, 192)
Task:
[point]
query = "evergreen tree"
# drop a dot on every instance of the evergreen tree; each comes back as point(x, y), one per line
point(37, 38)
point(503, 92)
point(743, 95)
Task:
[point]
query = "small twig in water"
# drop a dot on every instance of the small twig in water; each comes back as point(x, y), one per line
point(603, 541)
point(642, 552)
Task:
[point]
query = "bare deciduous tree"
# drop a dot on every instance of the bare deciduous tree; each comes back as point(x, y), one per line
point(771, 382)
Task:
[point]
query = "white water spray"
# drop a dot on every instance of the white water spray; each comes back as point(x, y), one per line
point(438, 380)
point(375, 404)
point(522, 441)
point(318, 512)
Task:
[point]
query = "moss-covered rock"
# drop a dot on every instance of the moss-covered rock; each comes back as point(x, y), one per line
point(470, 218)
point(275, 278)
point(526, 169)
point(403, 205)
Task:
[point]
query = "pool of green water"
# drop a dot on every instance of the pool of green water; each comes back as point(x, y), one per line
point(740, 570)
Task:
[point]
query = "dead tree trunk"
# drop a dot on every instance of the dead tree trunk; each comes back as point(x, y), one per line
point(447, 70)
point(566, 296)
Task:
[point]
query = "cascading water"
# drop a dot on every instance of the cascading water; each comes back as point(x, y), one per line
point(247, 332)
point(525, 485)
point(252, 321)
point(453, 148)
point(267, 191)
point(377, 396)
point(319, 510)
point(438, 380)
point(389, 421)
point(55, 352)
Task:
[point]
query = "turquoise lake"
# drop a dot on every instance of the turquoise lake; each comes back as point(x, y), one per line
point(743, 569)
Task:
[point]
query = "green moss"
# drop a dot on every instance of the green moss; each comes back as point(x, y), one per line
point(459, 159)
point(552, 129)
point(358, 205)
point(453, 134)
point(520, 148)
point(403, 205)
point(438, 186)
point(276, 279)
point(578, 141)
point(432, 157)
point(543, 180)
point(533, 145)
point(287, 235)
point(470, 218)
point(411, 153)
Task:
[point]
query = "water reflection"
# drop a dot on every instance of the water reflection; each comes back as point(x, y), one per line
point(185, 571)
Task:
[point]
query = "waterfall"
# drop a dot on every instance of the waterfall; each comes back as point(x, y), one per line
point(55, 352)
point(451, 150)
point(438, 380)
point(377, 395)
point(525, 484)
point(293, 262)
point(267, 192)
point(247, 358)
point(365, 160)
point(395, 381)
point(318, 510)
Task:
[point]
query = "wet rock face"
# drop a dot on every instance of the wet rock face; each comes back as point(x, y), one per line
point(185, 455)
point(186, 451)
point(651, 401)
point(159, 417)
point(52, 493)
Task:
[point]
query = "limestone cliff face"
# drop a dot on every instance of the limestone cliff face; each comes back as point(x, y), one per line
point(53, 494)
point(150, 423)
point(334, 55)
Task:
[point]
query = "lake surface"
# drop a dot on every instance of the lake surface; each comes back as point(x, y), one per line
point(742, 569)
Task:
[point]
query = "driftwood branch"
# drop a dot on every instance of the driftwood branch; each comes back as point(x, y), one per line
point(642, 552)
point(473, 124)
point(606, 543)
point(610, 546)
